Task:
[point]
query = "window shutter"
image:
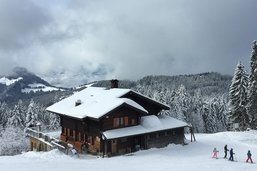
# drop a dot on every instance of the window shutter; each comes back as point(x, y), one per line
point(126, 121)
point(115, 122)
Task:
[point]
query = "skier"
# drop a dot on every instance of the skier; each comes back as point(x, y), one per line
point(225, 151)
point(231, 157)
point(215, 153)
point(249, 156)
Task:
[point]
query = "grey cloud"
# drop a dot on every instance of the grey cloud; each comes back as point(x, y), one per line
point(130, 39)
point(21, 22)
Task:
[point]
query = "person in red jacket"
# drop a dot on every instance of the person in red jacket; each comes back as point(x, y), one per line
point(215, 153)
point(249, 156)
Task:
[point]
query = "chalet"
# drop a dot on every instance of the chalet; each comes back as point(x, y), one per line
point(113, 121)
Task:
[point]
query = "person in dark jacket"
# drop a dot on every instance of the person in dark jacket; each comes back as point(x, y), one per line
point(231, 157)
point(225, 151)
point(249, 156)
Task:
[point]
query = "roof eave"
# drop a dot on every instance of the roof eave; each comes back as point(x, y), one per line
point(164, 106)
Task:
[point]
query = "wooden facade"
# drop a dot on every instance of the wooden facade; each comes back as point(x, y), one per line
point(86, 135)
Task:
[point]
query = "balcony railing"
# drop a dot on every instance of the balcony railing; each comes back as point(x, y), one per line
point(46, 139)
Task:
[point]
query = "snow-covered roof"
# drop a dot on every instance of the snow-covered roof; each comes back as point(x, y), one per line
point(95, 102)
point(148, 124)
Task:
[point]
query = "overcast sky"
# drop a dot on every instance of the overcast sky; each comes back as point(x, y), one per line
point(127, 39)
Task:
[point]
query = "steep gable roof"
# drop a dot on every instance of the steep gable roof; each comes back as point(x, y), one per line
point(95, 103)
point(150, 100)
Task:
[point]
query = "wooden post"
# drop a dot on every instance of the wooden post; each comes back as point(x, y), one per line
point(105, 148)
point(192, 133)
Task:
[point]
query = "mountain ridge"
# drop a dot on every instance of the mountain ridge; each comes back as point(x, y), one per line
point(208, 83)
point(23, 84)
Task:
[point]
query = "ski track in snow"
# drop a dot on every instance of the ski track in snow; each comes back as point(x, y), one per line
point(195, 156)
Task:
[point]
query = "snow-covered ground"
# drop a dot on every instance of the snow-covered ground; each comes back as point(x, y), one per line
point(195, 156)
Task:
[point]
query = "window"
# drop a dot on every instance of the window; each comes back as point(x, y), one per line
point(114, 141)
point(82, 137)
point(173, 132)
point(148, 137)
point(93, 140)
point(63, 131)
point(74, 134)
point(79, 136)
point(121, 121)
point(68, 132)
point(123, 140)
point(115, 122)
point(89, 140)
point(133, 121)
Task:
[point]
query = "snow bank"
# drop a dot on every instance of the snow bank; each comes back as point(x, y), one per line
point(50, 156)
point(195, 156)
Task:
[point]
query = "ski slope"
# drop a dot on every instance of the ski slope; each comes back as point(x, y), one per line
point(195, 156)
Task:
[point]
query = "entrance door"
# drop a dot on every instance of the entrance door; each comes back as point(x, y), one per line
point(114, 146)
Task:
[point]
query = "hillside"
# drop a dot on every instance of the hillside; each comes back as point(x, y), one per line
point(200, 99)
point(209, 83)
point(24, 85)
point(195, 156)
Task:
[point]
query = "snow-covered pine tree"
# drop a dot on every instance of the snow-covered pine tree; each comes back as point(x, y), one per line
point(209, 117)
point(196, 118)
point(217, 108)
point(238, 97)
point(22, 108)
point(179, 103)
point(15, 120)
point(54, 121)
point(5, 113)
point(32, 114)
point(252, 93)
point(13, 141)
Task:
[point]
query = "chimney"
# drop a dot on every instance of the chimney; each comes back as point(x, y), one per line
point(114, 83)
point(78, 102)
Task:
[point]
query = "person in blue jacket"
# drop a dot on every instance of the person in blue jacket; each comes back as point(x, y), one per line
point(231, 157)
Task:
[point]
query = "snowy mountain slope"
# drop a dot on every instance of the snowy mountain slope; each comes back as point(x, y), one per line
point(195, 156)
point(20, 83)
point(7, 81)
point(35, 87)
